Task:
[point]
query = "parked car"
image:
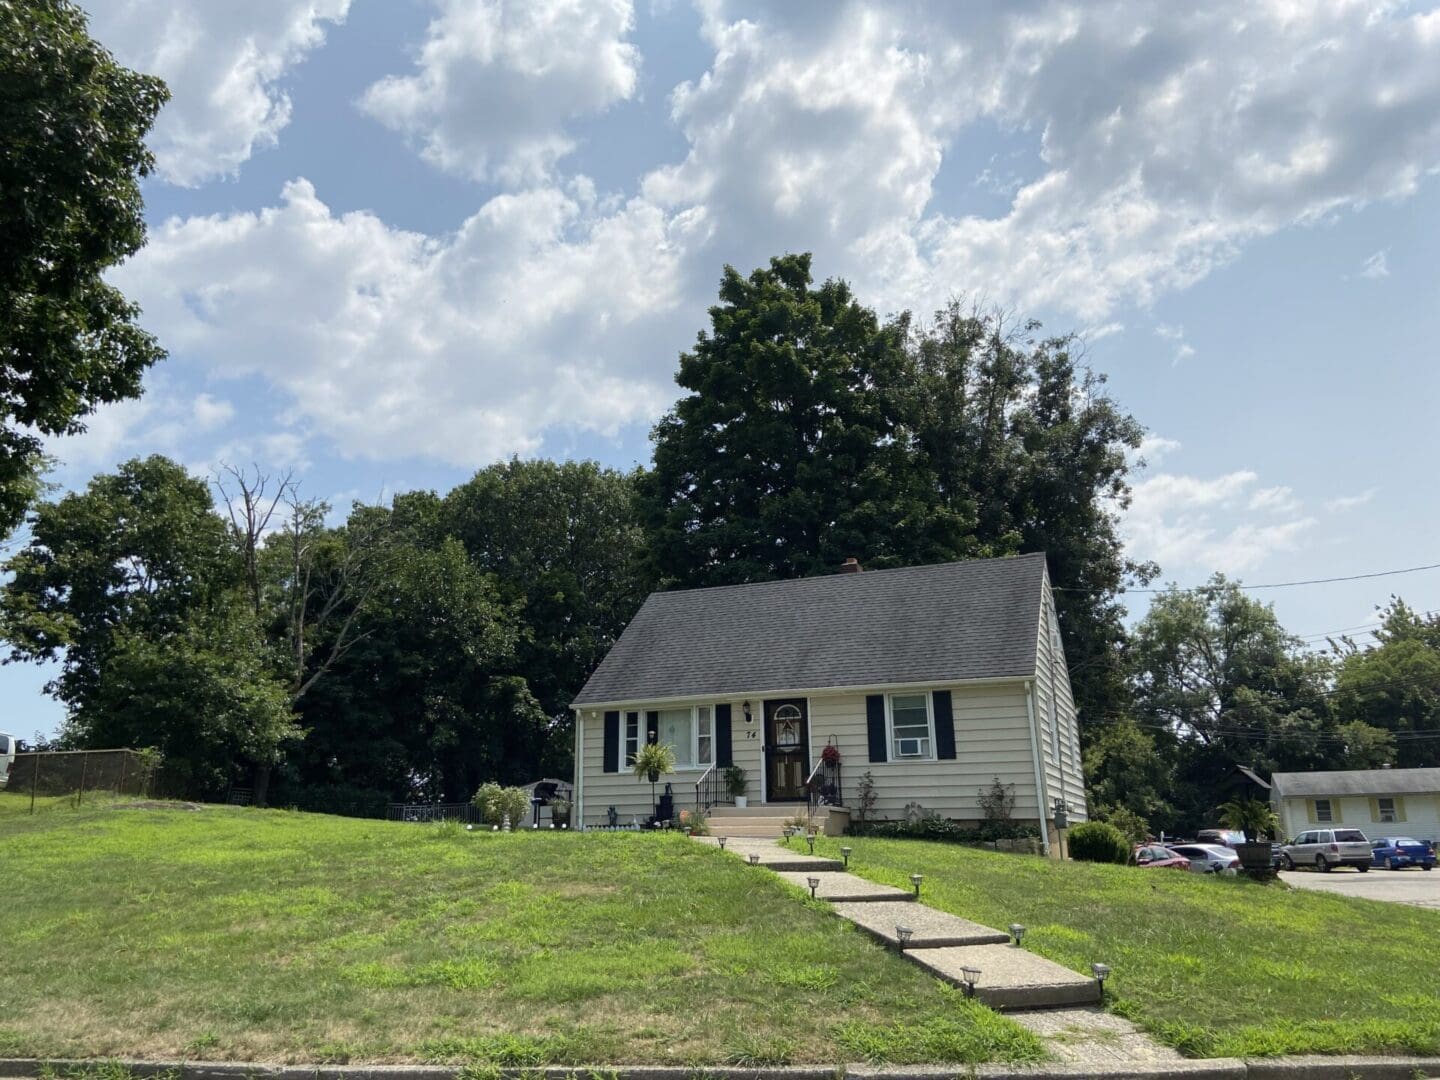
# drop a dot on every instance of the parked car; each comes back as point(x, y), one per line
point(7, 757)
point(1398, 852)
point(1160, 857)
point(1326, 849)
point(1209, 858)
point(1223, 837)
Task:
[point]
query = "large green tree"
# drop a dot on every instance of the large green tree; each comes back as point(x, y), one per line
point(1021, 436)
point(134, 586)
point(563, 542)
point(1222, 684)
point(784, 458)
point(1395, 684)
point(72, 125)
point(425, 702)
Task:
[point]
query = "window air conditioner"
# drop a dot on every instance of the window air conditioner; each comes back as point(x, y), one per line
point(912, 748)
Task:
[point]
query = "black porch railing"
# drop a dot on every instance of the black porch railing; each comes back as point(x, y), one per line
point(824, 786)
point(709, 788)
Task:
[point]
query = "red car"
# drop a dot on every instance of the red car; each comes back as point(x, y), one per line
point(1158, 855)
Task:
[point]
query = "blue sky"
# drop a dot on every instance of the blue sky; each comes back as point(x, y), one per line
point(395, 240)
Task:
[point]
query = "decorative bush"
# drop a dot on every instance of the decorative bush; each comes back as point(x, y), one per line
point(1135, 827)
point(1098, 841)
point(942, 829)
point(495, 802)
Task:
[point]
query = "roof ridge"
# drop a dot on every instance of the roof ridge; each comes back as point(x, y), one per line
point(1023, 556)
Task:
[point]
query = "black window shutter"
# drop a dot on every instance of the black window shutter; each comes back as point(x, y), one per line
point(722, 737)
point(875, 721)
point(612, 742)
point(652, 727)
point(944, 724)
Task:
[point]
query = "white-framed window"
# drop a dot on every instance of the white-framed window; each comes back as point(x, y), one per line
point(912, 727)
point(1323, 811)
point(632, 737)
point(691, 731)
point(1387, 810)
point(704, 736)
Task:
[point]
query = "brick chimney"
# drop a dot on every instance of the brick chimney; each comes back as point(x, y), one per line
point(850, 566)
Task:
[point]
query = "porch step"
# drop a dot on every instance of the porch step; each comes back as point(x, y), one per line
point(780, 810)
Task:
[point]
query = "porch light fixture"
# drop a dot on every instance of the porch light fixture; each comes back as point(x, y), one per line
point(1101, 972)
point(754, 859)
point(845, 853)
point(903, 934)
point(745, 708)
point(1017, 932)
point(721, 841)
point(915, 880)
point(969, 976)
point(814, 883)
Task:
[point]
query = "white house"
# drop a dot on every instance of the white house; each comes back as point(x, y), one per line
point(1379, 802)
point(934, 680)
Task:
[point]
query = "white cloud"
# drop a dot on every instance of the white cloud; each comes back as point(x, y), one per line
point(539, 312)
point(1279, 499)
point(1167, 140)
point(1341, 503)
point(1153, 448)
point(223, 62)
point(1376, 266)
point(1193, 526)
point(1098, 333)
point(498, 82)
point(210, 412)
point(165, 420)
point(1164, 141)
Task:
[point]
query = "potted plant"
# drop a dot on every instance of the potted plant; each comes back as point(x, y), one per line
point(1258, 821)
point(736, 786)
point(651, 760)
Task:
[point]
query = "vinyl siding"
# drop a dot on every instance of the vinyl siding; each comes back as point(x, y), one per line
point(1421, 812)
point(992, 738)
point(631, 796)
point(1056, 715)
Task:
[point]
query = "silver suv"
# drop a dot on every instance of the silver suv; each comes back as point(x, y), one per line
point(1326, 849)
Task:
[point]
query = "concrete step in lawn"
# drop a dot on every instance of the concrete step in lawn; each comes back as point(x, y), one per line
point(1010, 977)
point(773, 856)
point(849, 888)
point(931, 929)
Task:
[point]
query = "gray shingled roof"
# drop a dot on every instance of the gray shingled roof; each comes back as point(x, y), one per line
point(943, 623)
point(1357, 782)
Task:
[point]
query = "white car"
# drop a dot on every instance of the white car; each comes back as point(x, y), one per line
point(7, 757)
point(1209, 858)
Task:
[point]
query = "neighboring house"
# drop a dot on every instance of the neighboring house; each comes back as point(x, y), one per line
point(934, 679)
point(1379, 802)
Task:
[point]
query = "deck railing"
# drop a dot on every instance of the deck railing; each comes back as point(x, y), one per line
point(708, 788)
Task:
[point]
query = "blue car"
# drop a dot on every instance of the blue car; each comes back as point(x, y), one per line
point(1397, 852)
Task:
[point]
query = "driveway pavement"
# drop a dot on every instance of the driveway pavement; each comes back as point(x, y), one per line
point(1398, 886)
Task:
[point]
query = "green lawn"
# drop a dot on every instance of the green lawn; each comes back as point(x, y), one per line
point(1214, 967)
point(243, 934)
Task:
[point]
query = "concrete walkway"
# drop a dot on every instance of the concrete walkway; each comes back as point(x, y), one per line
point(1090, 1036)
point(1059, 1005)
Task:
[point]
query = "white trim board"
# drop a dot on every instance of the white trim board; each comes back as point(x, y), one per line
point(813, 691)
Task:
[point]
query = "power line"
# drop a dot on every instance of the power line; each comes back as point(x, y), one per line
point(1274, 584)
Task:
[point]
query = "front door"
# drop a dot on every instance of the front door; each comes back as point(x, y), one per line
point(787, 750)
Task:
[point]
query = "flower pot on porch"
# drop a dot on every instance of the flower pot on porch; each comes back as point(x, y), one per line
point(741, 801)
